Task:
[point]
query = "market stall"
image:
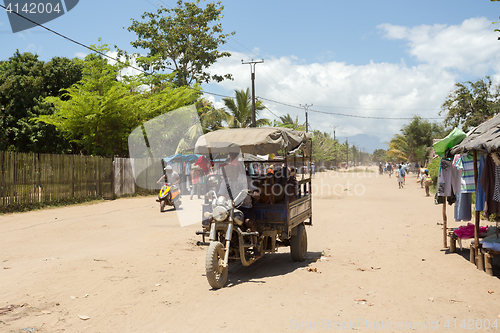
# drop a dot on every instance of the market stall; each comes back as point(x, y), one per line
point(483, 167)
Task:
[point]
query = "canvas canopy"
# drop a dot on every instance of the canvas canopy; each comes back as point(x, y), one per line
point(181, 158)
point(257, 141)
point(485, 138)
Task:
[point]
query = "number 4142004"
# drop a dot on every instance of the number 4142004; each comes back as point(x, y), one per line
point(471, 324)
point(34, 8)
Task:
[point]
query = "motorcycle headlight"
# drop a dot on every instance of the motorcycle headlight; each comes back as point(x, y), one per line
point(219, 213)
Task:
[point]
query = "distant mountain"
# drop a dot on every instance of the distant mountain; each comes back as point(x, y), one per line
point(368, 142)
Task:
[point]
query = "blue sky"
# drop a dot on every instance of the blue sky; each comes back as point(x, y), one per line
point(387, 58)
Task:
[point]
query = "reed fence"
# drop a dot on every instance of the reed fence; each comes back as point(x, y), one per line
point(27, 178)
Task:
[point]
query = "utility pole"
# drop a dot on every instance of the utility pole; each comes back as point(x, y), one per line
point(306, 107)
point(335, 144)
point(347, 150)
point(252, 76)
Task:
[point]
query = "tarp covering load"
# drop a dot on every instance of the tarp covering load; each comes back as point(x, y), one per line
point(485, 137)
point(257, 141)
point(455, 137)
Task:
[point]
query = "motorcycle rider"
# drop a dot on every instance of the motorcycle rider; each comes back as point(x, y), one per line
point(172, 176)
point(236, 182)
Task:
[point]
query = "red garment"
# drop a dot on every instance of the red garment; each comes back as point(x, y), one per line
point(467, 231)
point(203, 163)
point(196, 174)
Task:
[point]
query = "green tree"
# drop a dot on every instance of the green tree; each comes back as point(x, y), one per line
point(398, 149)
point(419, 135)
point(100, 111)
point(471, 103)
point(24, 82)
point(288, 122)
point(211, 119)
point(379, 155)
point(240, 110)
point(323, 147)
point(184, 40)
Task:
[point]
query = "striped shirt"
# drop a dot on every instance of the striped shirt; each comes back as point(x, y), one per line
point(466, 165)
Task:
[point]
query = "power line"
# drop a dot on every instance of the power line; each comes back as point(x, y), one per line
point(214, 94)
point(344, 114)
point(358, 108)
point(76, 42)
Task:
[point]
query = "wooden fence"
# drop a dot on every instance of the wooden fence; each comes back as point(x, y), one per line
point(27, 178)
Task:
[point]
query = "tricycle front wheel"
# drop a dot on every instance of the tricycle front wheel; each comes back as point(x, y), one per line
point(298, 244)
point(216, 272)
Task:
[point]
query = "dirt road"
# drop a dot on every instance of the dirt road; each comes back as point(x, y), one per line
point(122, 266)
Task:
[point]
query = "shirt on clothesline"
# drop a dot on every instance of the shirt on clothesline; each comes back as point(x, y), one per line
point(448, 179)
point(466, 165)
point(488, 180)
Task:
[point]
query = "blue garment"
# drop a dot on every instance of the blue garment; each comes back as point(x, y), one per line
point(463, 207)
point(480, 195)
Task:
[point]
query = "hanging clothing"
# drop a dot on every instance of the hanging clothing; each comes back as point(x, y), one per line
point(466, 164)
point(449, 180)
point(463, 207)
point(496, 192)
point(488, 178)
point(480, 196)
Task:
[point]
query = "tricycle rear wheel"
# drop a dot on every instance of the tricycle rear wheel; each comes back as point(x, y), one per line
point(216, 273)
point(298, 244)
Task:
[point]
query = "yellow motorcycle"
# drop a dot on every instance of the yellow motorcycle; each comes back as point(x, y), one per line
point(169, 195)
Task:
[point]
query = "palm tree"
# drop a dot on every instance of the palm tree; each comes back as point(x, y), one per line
point(240, 110)
point(288, 122)
point(211, 119)
point(398, 148)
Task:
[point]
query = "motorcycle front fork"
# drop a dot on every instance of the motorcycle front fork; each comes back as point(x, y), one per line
point(229, 232)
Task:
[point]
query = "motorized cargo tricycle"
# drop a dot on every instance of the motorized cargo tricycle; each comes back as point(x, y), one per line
point(271, 159)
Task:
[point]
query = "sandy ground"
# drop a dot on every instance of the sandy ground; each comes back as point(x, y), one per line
point(122, 266)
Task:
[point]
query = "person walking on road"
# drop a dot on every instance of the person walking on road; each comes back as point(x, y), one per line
point(389, 169)
point(427, 182)
point(400, 175)
point(196, 181)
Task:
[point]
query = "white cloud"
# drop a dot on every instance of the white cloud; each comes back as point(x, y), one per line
point(353, 90)
point(80, 55)
point(471, 47)
point(444, 54)
point(34, 48)
point(127, 70)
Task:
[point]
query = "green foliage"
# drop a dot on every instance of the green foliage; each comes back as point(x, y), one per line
point(471, 103)
point(288, 122)
point(183, 39)
point(398, 149)
point(413, 142)
point(323, 146)
point(433, 168)
point(379, 155)
point(211, 119)
point(100, 111)
point(24, 83)
point(240, 110)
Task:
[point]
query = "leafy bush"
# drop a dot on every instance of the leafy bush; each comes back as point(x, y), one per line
point(433, 168)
